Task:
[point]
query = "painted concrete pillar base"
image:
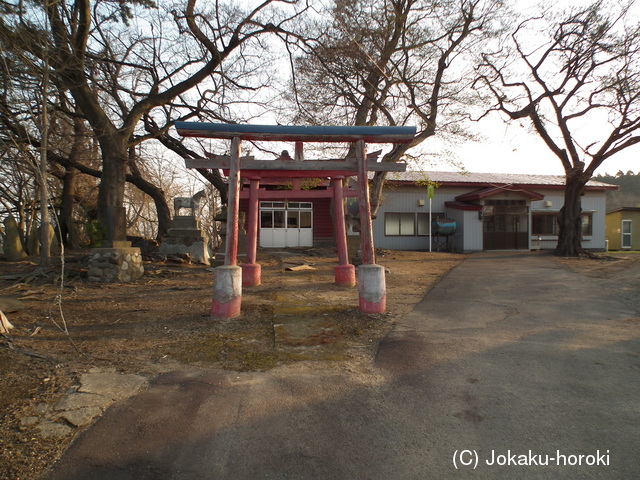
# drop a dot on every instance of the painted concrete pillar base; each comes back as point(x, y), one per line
point(372, 288)
point(227, 291)
point(345, 275)
point(251, 274)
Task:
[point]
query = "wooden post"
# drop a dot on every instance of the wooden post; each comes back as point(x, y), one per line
point(372, 290)
point(227, 283)
point(299, 153)
point(345, 273)
point(252, 221)
point(251, 271)
point(366, 234)
point(233, 206)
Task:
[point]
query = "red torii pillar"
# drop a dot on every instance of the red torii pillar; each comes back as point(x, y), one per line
point(345, 273)
point(227, 284)
point(251, 271)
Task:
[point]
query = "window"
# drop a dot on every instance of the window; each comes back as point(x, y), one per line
point(587, 224)
point(402, 224)
point(272, 219)
point(513, 207)
point(272, 205)
point(305, 219)
point(299, 205)
point(547, 224)
point(423, 224)
point(278, 219)
point(266, 219)
point(544, 224)
point(626, 234)
point(408, 224)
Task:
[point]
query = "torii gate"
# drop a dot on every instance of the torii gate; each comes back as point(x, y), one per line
point(229, 278)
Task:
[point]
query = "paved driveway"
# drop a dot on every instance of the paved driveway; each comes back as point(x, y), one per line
point(510, 359)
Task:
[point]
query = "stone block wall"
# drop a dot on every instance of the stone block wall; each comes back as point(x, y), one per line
point(111, 265)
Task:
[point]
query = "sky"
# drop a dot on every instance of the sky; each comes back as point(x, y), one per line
point(511, 148)
point(514, 148)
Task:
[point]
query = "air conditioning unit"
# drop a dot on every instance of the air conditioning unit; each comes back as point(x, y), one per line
point(548, 203)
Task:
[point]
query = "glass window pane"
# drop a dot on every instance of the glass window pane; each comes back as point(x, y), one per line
point(586, 223)
point(392, 224)
point(627, 239)
point(523, 223)
point(266, 219)
point(292, 219)
point(278, 219)
point(407, 224)
point(423, 223)
point(544, 224)
point(305, 219)
point(489, 224)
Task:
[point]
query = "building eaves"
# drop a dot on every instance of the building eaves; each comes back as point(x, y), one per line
point(495, 190)
point(625, 209)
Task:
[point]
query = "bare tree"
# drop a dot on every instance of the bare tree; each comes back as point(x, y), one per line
point(70, 143)
point(91, 52)
point(577, 79)
point(395, 62)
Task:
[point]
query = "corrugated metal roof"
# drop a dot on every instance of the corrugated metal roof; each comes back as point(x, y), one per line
point(486, 178)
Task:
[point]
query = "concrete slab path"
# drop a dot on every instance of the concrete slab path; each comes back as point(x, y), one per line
point(511, 358)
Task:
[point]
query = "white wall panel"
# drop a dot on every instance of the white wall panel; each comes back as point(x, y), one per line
point(469, 234)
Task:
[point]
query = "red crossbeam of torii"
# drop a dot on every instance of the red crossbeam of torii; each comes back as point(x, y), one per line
point(229, 278)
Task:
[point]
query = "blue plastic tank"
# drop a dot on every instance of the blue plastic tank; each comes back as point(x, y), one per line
point(443, 226)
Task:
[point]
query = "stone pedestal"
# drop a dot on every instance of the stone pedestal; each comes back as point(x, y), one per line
point(112, 265)
point(372, 288)
point(227, 291)
point(185, 236)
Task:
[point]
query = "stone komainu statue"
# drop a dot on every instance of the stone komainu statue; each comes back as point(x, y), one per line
point(191, 203)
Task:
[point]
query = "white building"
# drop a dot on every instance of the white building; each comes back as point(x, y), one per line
point(490, 211)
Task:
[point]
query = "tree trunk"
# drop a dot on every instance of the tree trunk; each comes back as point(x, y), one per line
point(570, 219)
point(375, 192)
point(68, 228)
point(376, 185)
point(164, 214)
point(214, 177)
point(111, 212)
point(159, 199)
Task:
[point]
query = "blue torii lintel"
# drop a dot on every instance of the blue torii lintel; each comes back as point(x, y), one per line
point(297, 133)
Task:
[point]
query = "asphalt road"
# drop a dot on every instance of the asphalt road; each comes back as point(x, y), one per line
point(510, 359)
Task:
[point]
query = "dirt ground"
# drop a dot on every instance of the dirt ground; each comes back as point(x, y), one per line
point(161, 322)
